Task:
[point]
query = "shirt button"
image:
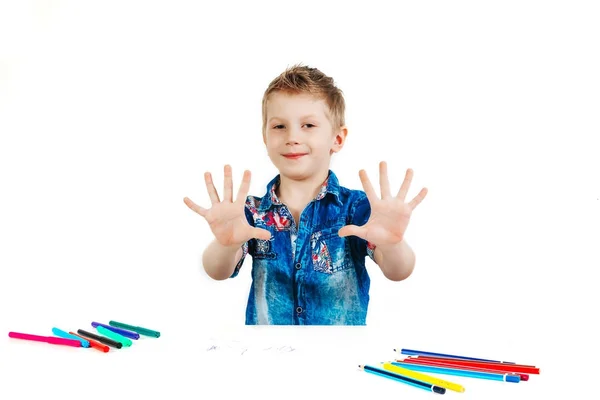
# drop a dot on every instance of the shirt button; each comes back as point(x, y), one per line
point(299, 310)
point(298, 265)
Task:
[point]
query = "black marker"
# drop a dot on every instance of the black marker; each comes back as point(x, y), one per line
point(101, 339)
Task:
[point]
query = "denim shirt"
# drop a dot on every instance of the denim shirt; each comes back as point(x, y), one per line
point(307, 274)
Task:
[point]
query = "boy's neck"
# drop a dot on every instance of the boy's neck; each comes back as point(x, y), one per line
point(298, 193)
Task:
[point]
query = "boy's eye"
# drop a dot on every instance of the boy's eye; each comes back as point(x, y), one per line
point(282, 126)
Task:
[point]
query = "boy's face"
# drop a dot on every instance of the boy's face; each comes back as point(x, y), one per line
point(299, 136)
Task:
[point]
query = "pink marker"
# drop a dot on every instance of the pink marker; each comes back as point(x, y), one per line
point(46, 339)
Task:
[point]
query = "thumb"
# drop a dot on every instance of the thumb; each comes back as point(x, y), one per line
point(259, 233)
point(350, 230)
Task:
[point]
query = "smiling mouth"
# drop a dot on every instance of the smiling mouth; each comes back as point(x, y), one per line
point(294, 156)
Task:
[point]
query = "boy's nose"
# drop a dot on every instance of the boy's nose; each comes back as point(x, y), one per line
point(293, 135)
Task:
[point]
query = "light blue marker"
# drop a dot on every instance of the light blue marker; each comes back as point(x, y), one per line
point(67, 335)
point(500, 376)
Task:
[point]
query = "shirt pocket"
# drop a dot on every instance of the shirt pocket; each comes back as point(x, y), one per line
point(263, 249)
point(328, 251)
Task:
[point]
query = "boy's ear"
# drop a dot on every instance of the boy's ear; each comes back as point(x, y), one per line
point(339, 139)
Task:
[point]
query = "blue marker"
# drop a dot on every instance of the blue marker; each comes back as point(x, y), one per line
point(122, 332)
point(67, 335)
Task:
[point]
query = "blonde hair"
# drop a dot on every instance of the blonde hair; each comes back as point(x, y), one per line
point(300, 79)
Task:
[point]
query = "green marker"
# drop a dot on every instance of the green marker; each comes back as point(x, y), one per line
point(138, 329)
point(114, 336)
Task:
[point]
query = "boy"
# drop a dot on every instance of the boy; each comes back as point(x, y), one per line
point(308, 236)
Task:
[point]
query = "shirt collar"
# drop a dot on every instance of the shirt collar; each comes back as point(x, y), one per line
point(330, 185)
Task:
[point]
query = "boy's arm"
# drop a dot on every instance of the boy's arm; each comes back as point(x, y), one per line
point(220, 261)
point(396, 261)
point(382, 222)
point(232, 224)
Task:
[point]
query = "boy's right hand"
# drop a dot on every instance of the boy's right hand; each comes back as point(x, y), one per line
point(227, 219)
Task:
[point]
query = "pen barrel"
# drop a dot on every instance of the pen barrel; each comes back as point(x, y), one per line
point(457, 372)
point(410, 352)
point(122, 332)
point(101, 339)
point(93, 343)
point(66, 335)
point(501, 367)
point(27, 336)
point(404, 379)
point(417, 361)
point(44, 339)
point(423, 377)
point(66, 342)
point(114, 336)
point(138, 329)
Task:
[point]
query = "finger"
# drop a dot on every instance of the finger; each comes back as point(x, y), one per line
point(195, 207)
point(259, 233)
point(418, 198)
point(227, 184)
point(244, 188)
point(384, 182)
point(367, 186)
point(405, 185)
point(352, 230)
point(210, 187)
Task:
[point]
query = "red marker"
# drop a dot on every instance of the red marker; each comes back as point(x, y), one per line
point(46, 339)
point(94, 344)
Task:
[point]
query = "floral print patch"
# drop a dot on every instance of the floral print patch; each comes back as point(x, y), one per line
point(321, 257)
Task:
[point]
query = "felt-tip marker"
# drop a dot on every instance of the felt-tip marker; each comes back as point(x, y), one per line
point(114, 336)
point(101, 339)
point(138, 329)
point(93, 344)
point(122, 332)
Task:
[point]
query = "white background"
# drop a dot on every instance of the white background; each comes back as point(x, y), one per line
point(110, 113)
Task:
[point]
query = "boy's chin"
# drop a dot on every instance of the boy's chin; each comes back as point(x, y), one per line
point(299, 172)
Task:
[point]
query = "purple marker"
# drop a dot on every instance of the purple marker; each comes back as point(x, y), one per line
point(129, 334)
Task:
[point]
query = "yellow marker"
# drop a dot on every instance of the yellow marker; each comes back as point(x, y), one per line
point(423, 377)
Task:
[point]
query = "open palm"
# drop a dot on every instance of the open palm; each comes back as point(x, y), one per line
point(226, 218)
point(390, 215)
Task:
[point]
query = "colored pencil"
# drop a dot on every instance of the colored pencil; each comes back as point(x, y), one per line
point(451, 371)
point(524, 377)
point(526, 369)
point(399, 378)
point(410, 352)
point(423, 377)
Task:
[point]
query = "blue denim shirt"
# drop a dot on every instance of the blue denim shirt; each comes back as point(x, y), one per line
point(306, 274)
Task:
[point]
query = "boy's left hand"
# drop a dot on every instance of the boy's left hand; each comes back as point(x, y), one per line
point(389, 215)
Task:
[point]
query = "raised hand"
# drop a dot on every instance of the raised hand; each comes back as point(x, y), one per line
point(226, 218)
point(389, 215)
